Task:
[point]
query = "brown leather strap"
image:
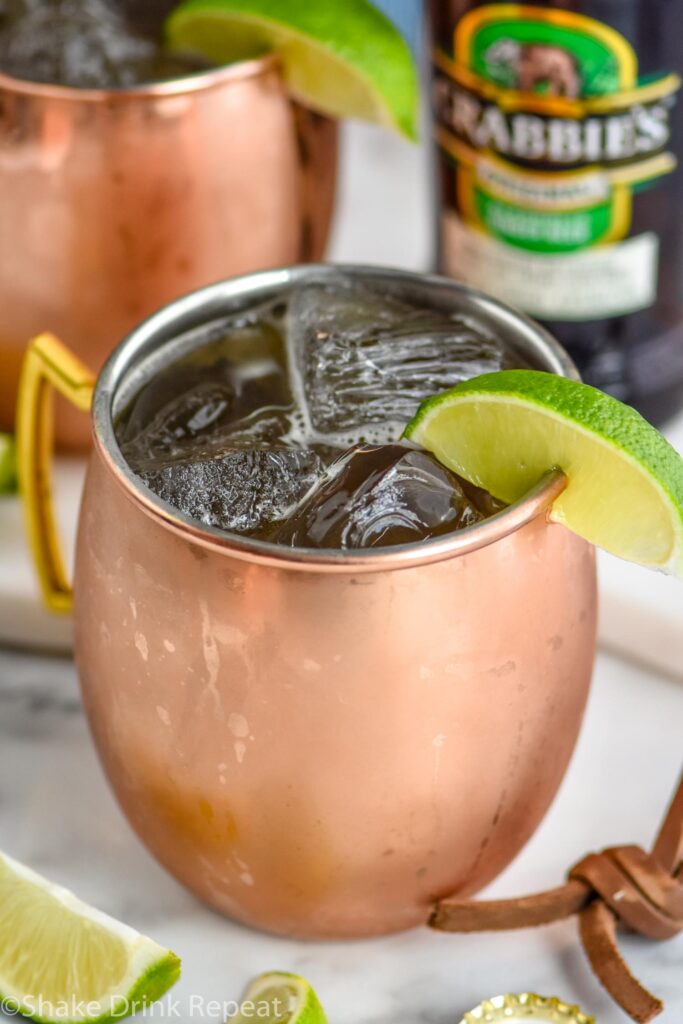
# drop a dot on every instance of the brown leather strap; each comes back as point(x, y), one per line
point(659, 886)
point(452, 915)
point(642, 891)
point(668, 848)
point(636, 888)
point(598, 935)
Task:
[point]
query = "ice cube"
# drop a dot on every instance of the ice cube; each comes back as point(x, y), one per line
point(80, 43)
point(379, 495)
point(243, 489)
point(207, 406)
point(269, 424)
point(361, 362)
point(181, 422)
point(202, 422)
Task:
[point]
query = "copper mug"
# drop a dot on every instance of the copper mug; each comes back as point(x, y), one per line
point(317, 743)
point(113, 203)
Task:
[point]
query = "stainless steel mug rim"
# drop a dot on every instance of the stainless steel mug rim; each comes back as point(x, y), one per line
point(197, 81)
point(237, 293)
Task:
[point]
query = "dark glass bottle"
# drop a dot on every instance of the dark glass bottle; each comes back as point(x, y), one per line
point(558, 128)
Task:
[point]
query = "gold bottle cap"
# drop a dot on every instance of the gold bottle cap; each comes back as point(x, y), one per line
point(520, 1009)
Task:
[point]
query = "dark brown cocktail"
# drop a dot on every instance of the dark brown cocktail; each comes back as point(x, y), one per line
point(284, 423)
point(89, 44)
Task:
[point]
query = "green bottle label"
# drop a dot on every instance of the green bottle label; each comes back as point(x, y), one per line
point(549, 131)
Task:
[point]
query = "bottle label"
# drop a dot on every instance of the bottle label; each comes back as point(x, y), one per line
point(548, 132)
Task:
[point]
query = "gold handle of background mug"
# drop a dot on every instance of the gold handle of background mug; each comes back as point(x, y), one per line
point(48, 366)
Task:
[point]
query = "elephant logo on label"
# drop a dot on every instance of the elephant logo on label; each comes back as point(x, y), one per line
point(535, 68)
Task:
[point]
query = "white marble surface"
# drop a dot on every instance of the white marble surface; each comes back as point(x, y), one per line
point(56, 813)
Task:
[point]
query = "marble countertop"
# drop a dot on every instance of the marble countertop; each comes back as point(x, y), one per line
point(57, 814)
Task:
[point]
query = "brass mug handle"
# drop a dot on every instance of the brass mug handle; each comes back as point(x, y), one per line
point(48, 366)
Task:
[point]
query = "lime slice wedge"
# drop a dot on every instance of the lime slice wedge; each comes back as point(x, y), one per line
point(346, 60)
point(503, 431)
point(8, 464)
point(279, 998)
point(62, 961)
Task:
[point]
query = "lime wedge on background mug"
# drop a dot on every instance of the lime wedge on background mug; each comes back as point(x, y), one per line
point(345, 59)
point(63, 961)
point(503, 431)
point(279, 998)
point(8, 464)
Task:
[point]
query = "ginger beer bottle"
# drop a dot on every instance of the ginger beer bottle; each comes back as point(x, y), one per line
point(559, 127)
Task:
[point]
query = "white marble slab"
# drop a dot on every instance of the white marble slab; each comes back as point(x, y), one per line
point(24, 621)
point(56, 813)
point(641, 612)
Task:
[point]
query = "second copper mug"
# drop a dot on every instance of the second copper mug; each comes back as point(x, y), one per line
point(318, 743)
point(113, 203)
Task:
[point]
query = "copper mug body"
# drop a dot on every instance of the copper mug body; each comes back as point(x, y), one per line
point(114, 203)
point(322, 743)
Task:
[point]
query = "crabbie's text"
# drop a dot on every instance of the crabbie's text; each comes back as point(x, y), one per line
point(616, 136)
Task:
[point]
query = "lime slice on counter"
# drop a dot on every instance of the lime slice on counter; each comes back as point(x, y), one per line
point(503, 431)
point(279, 998)
point(8, 464)
point(344, 59)
point(62, 961)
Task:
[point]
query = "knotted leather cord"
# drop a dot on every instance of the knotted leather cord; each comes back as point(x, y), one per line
point(622, 885)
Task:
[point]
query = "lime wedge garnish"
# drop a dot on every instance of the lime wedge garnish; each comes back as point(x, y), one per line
point(63, 961)
point(279, 998)
point(503, 431)
point(343, 59)
point(8, 464)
